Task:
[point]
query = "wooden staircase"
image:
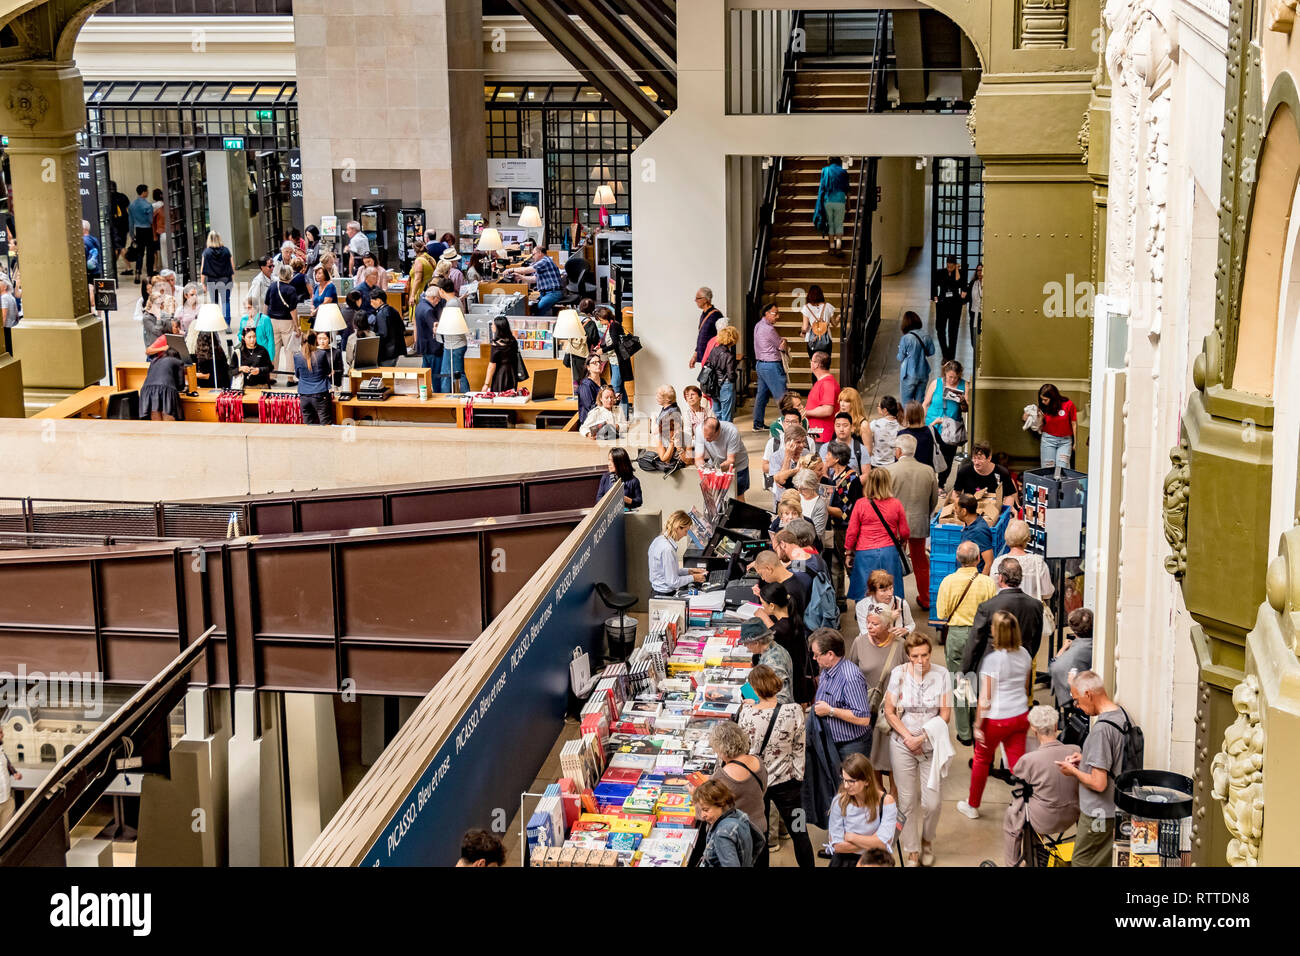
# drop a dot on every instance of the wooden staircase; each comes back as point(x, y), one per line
point(798, 259)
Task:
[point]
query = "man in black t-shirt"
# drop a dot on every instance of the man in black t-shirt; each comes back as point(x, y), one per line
point(981, 478)
point(949, 297)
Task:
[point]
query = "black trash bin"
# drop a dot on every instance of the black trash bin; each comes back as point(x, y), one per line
point(620, 637)
point(1153, 822)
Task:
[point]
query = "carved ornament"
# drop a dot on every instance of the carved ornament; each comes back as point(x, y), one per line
point(1044, 24)
point(1281, 15)
point(27, 103)
point(1238, 772)
point(1177, 489)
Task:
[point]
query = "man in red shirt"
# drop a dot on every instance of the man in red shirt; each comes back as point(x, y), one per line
point(823, 399)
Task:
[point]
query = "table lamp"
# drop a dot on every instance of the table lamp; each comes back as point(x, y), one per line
point(329, 318)
point(212, 320)
point(568, 325)
point(604, 197)
point(530, 218)
point(452, 322)
point(490, 241)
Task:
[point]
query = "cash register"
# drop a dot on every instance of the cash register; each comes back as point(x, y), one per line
point(373, 389)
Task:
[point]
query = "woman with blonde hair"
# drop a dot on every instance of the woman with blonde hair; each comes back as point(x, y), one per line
point(666, 571)
point(877, 526)
point(850, 401)
point(216, 272)
point(722, 359)
point(1036, 580)
point(862, 815)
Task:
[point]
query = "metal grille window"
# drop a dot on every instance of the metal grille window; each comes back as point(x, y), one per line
point(957, 214)
point(584, 142)
point(199, 115)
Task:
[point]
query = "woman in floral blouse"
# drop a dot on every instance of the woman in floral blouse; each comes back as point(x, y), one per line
point(782, 755)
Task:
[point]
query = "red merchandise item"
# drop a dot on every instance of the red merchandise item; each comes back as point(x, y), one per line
point(1061, 425)
point(825, 391)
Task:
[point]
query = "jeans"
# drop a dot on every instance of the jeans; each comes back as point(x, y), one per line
point(1054, 449)
point(219, 291)
point(788, 802)
point(547, 302)
point(727, 402)
point(912, 390)
point(433, 360)
point(911, 773)
point(771, 384)
point(858, 745)
point(453, 367)
point(1008, 731)
point(616, 383)
point(958, 635)
point(317, 409)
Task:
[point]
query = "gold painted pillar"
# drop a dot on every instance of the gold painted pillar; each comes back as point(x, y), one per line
point(60, 341)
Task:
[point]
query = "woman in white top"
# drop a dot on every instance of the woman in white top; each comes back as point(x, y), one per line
point(918, 692)
point(975, 302)
point(880, 593)
point(1002, 717)
point(602, 420)
point(881, 434)
point(697, 410)
point(1037, 579)
point(818, 316)
point(811, 502)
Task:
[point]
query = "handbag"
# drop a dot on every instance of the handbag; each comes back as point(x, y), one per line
point(709, 380)
point(898, 546)
point(521, 370)
point(942, 629)
point(876, 695)
point(631, 345)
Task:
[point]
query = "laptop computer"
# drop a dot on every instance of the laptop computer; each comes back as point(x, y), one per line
point(367, 354)
point(544, 384)
point(177, 342)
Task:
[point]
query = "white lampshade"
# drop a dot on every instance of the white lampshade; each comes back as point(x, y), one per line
point(210, 318)
point(531, 218)
point(604, 196)
point(452, 321)
point(329, 318)
point(568, 325)
point(490, 241)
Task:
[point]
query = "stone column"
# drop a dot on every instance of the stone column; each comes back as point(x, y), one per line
point(60, 341)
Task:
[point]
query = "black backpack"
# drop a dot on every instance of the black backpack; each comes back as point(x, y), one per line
point(1134, 743)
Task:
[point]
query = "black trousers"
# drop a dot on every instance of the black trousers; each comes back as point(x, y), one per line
point(317, 409)
point(834, 557)
point(147, 247)
point(790, 807)
point(948, 325)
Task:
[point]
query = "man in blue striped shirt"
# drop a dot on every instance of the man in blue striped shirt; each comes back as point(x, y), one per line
point(545, 276)
point(841, 698)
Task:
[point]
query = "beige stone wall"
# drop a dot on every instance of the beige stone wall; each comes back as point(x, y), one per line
point(391, 85)
point(109, 460)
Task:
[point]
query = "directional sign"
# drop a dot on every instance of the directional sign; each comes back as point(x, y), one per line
point(295, 187)
point(105, 295)
point(232, 142)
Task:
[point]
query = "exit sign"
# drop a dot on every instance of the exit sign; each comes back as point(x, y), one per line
point(4, 140)
point(264, 114)
point(233, 142)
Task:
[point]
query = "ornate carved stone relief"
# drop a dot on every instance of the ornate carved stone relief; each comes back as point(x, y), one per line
point(27, 103)
point(1238, 772)
point(1085, 135)
point(1281, 15)
point(1043, 24)
point(1177, 491)
point(970, 121)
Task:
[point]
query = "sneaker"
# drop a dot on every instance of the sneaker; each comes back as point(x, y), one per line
point(760, 428)
point(927, 855)
point(966, 810)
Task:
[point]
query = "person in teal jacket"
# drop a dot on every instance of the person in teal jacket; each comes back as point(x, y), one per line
point(261, 322)
point(832, 194)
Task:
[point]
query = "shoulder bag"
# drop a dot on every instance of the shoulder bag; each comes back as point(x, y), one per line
point(898, 546)
point(631, 345)
point(942, 629)
point(876, 695)
point(521, 370)
point(771, 725)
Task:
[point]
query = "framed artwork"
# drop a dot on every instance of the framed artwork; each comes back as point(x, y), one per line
point(519, 198)
point(497, 198)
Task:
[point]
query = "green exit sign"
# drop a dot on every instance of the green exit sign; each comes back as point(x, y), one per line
point(264, 114)
point(4, 140)
point(233, 142)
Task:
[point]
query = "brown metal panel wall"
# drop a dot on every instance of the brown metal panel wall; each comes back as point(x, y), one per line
point(454, 504)
point(562, 494)
point(271, 517)
point(397, 668)
point(136, 658)
point(429, 587)
point(341, 514)
point(245, 612)
point(512, 556)
point(307, 666)
point(293, 596)
point(47, 593)
point(139, 594)
point(48, 651)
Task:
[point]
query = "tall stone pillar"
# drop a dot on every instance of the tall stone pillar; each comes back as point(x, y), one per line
point(60, 341)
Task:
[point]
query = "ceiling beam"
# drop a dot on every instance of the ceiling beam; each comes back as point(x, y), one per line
point(651, 69)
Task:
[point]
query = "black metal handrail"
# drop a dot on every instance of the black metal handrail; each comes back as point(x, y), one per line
point(861, 314)
point(767, 209)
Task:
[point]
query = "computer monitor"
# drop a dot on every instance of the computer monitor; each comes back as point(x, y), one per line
point(367, 354)
point(544, 384)
point(620, 220)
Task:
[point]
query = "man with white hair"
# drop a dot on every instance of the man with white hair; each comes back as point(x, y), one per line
point(358, 245)
point(709, 316)
point(1051, 801)
point(1095, 770)
point(916, 486)
point(427, 313)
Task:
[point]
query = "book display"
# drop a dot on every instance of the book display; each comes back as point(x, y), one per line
point(625, 797)
point(536, 336)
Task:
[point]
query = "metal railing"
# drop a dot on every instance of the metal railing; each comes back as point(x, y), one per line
point(862, 305)
point(767, 209)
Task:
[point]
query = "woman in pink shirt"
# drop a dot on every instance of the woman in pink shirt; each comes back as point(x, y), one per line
point(868, 543)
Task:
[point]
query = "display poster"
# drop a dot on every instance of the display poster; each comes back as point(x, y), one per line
point(516, 174)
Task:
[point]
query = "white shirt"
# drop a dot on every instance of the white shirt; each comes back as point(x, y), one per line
point(359, 244)
point(597, 418)
point(666, 574)
point(1036, 580)
point(903, 616)
point(817, 313)
point(917, 701)
point(1008, 669)
point(6, 782)
point(257, 289)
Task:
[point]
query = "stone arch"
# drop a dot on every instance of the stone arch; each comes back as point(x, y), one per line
point(1277, 173)
point(975, 27)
